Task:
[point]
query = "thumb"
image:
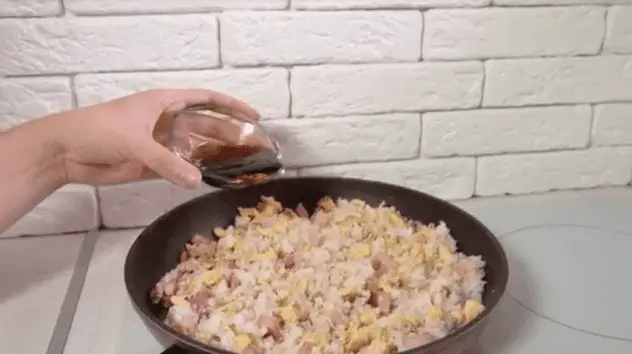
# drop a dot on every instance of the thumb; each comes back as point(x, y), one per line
point(167, 164)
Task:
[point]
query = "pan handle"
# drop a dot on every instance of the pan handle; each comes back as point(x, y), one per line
point(174, 349)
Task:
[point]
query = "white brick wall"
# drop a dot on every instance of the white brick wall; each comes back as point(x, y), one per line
point(375, 88)
point(286, 38)
point(265, 89)
point(458, 98)
point(619, 31)
point(512, 32)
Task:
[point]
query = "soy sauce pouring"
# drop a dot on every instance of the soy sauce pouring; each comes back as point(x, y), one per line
point(229, 151)
point(225, 171)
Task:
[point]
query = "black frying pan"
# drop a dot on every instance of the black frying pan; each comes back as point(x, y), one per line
point(157, 249)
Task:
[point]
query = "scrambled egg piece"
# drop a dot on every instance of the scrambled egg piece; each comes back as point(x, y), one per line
point(219, 232)
point(359, 251)
point(401, 320)
point(357, 336)
point(327, 204)
point(300, 287)
point(232, 307)
point(178, 300)
point(242, 341)
point(434, 313)
point(458, 316)
point(320, 339)
point(379, 347)
point(471, 309)
point(389, 282)
point(396, 220)
point(239, 244)
point(416, 251)
point(368, 316)
point(288, 314)
point(269, 255)
point(349, 293)
point(210, 277)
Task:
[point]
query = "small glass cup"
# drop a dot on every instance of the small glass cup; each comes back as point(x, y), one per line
point(231, 152)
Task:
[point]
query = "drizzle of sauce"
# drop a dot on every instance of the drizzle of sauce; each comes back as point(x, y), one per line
point(223, 165)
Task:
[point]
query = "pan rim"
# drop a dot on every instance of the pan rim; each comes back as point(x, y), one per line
point(190, 343)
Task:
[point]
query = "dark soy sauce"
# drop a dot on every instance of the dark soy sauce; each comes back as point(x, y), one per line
point(235, 166)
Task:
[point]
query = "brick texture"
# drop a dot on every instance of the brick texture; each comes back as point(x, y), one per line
point(23, 99)
point(75, 44)
point(613, 124)
point(91, 7)
point(549, 171)
point(511, 32)
point(265, 89)
point(522, 129)
point(308, 142)
point(619, 33)
point(457, 98)
point(559, 2)
point(519, 82)
point(30, 8)
point(254, 38)
point(380, 4)
point(350, 89)
point(446, 178)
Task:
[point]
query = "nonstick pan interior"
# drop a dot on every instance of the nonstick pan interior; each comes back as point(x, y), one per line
point(157, 249)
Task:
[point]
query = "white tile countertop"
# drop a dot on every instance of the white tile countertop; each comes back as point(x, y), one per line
point(568, 292)
point(35, 274)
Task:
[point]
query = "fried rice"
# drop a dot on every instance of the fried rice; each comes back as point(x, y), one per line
point(351, 278)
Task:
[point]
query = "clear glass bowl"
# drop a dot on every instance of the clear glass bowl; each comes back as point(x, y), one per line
point(221, 146)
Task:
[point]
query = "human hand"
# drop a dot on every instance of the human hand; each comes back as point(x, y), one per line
point(115, 142)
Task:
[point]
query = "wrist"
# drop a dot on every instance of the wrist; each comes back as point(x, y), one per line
point(48, 147)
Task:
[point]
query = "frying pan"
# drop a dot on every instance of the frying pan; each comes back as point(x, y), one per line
point(157, 248)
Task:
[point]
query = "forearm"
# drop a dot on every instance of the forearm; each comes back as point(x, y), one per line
point(31, 168)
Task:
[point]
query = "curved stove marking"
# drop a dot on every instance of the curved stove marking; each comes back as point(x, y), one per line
point(584, 327)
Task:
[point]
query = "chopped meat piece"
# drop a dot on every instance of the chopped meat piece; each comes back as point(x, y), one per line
point(336, 317)
point(377, 297)
point(306, 348)
point(231, 264)
point(384, 303)
point(374, 291)
point(288, 260)
point(301, 211)
point(167, 286)
point(184, 255)
point(232, 282)
point(302, 313)
point(372, 285)
point(382, 263)
point(269, 222)
point(271, 324)
point(199, 301)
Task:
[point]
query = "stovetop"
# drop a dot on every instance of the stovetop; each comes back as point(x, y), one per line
point(568, 292)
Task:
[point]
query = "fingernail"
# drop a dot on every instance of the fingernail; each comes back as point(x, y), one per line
point(192, 180)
